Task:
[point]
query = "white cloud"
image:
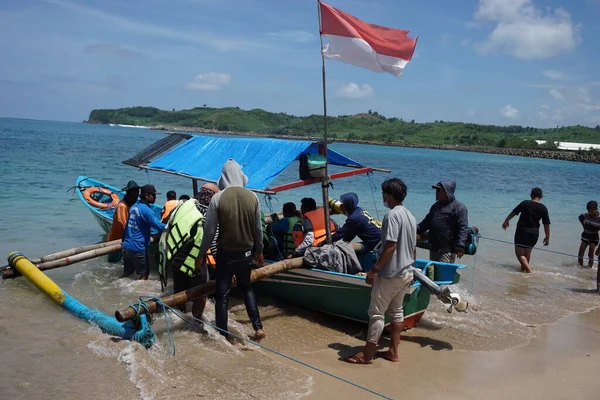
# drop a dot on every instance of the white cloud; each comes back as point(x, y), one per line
point(557, 94)
point(117, 22)
point(554, 74)
point(509, 111)
point(525, 31)
point(541, 85)
point(355, 91)
point(293, 36)
point(583, 95)
point(465, 42)
point(471, 113)
point(112, 49)
point(209, 81)
point(445, 38)
point(591, 107)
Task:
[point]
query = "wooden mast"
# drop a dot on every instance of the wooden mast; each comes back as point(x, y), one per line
point(323, 145)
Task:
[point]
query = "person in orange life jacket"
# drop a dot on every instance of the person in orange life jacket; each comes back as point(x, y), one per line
point(169, 205)
point(132, 191)
point(136, 237)
point(357, 224)
point(236, 212)
point(181, 280)
point(281, 228)
point(311, 232)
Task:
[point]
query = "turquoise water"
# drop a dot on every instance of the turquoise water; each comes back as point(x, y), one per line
point(40, 161)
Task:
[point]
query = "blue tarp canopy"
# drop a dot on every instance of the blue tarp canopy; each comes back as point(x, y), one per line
point(262, 160)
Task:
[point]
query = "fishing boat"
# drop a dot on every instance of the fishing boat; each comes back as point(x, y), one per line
point(200, 158)
point(101, 199)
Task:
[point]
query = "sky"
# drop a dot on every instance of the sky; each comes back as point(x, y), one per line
point(503, 62)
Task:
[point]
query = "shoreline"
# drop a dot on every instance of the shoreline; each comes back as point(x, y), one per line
point(563, 155)
point(559, 359)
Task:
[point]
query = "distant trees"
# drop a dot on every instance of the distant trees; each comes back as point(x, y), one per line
point(375, 127)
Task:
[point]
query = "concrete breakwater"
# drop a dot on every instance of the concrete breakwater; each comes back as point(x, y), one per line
point(592, 157)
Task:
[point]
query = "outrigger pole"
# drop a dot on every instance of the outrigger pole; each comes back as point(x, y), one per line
point(323, 146)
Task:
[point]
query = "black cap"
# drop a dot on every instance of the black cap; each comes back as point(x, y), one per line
point(146, 189)
point(131, 185)
point(536, 192)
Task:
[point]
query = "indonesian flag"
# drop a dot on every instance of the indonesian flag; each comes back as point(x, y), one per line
point(359, 43)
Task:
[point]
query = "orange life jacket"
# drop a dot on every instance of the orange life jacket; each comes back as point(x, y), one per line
point(167, 208)
point(317, 220)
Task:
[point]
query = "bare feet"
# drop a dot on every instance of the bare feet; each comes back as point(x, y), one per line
point(259, 335)
point(388, 356)
point(358, 358)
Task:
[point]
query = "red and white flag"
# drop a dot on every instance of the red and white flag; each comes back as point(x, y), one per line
point(359, 43)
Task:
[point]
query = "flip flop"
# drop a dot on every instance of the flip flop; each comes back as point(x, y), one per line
point(355, 360)
point(385, 354)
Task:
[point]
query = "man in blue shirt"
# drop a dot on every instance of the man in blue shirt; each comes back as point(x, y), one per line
point(136, 237)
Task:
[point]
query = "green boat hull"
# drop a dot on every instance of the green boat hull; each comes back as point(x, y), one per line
point(347, 296)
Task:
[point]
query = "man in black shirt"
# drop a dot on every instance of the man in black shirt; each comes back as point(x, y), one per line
point(528, 227)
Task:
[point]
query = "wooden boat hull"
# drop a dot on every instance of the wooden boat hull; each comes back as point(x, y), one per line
point(103, 217)
point(348, 296)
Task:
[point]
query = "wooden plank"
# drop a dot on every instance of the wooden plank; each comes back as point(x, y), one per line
point(307, 182)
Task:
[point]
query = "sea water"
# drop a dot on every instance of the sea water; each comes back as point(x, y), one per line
point(47, 352)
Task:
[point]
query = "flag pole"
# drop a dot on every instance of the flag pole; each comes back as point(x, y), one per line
point(323, 147)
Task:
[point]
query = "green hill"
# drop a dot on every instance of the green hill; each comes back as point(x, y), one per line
point(370, 126)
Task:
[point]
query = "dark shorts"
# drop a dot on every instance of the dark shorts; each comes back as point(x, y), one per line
point(137, 262)
point(182, 281)
point(590, 238)
point(526, 239)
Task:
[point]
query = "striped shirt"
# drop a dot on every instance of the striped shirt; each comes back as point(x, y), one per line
point(213, 246)
point(591, 226)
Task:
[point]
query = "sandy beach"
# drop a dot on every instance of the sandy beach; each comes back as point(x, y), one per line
point(560, 362)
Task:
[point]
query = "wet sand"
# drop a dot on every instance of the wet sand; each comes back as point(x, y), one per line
point(560, 362)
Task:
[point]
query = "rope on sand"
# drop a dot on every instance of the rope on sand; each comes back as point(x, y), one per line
point(191, 319)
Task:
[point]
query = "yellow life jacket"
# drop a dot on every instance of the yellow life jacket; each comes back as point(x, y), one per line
point(176, 241)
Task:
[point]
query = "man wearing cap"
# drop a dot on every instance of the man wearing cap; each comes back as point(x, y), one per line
point(447, 224)
point(136, 237)
point(528, 227)
point(132, 191)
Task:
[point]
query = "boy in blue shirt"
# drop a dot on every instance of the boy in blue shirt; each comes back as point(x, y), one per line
point(136, 237)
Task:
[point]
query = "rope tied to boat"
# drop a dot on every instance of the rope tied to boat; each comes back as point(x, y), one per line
point(190, 319)
point(537, 248)
point(268, 202)
point(373, 190)
point(141, 309)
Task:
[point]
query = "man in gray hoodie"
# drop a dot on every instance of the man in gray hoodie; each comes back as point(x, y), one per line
point(447, 223)
point(236, 211)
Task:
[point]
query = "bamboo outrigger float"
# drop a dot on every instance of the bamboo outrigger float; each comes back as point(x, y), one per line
point(138, 331)
point(67, 257)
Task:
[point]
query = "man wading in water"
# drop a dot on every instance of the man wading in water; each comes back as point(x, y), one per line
point(236, 211)
point(528, 227)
